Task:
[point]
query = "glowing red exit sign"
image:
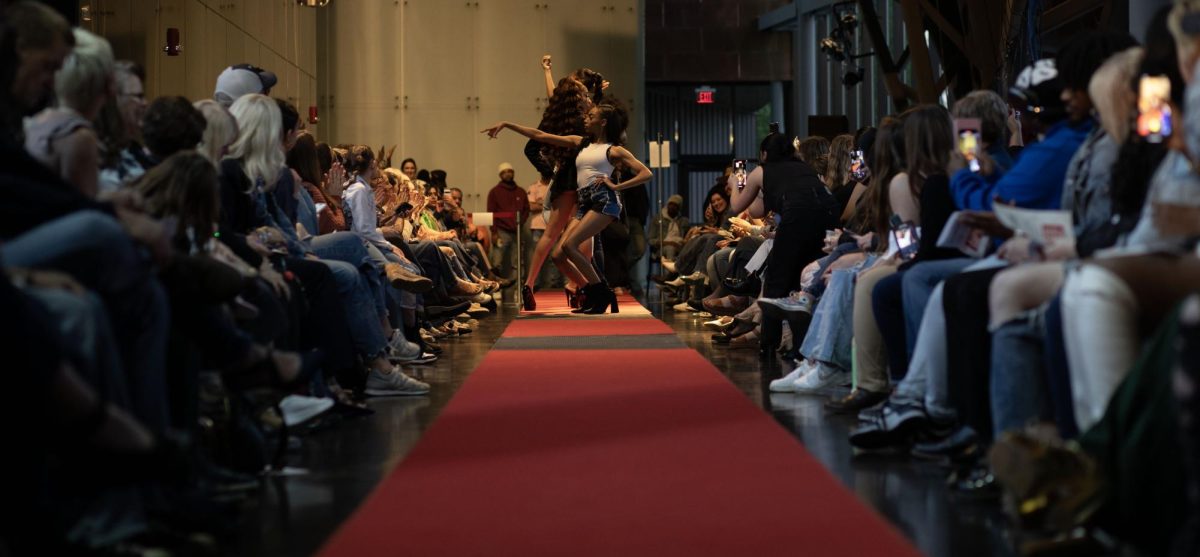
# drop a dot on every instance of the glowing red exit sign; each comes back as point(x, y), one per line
point(705, 95)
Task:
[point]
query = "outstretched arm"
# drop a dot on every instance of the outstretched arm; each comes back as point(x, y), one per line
point(549, 75)
point(535, 134)
point(622, 157)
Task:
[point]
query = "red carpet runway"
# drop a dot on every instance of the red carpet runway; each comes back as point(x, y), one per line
point(594, 445)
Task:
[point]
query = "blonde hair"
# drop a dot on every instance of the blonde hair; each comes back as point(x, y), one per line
point(259, 144)
point(838, 163)
point(221, 131)
point(87, 72)
point(1112, 95)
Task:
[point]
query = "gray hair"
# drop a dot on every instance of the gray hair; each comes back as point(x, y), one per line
point(87, 72)
point(990, 109)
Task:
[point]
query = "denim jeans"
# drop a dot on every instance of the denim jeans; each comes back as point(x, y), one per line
point(359, 306)
point(831, 331)
point(88, 338)
point(716, 269)
point(348, 247)
point(1018, 380)
point(918, 283)
point(817, 288)
point(926, 381)
point(94, 249)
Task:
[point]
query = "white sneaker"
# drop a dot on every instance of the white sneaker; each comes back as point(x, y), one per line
point(822, 377)
point(400, 348)
point(298, 409)
point(787, 383)
point(394, 383)
point(478, 310)
point(796, 301)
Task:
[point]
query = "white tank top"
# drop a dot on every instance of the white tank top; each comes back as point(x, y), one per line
point(592, 163)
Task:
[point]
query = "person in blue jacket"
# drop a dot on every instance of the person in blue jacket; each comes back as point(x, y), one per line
point(1036, 180)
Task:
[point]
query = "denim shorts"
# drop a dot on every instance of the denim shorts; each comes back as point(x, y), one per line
point(598, 198)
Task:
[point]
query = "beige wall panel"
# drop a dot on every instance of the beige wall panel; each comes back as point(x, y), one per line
point(197, 48)
point(249, 16)
point(445, 139)
point(365, 69)
point(145, 42)
point(217, 45)
point(305, 37)
point(439, 72)
point(507, 147)
point(509, 47)
point(372, 127)
point(233, 11)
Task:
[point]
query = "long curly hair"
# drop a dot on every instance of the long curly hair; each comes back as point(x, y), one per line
point(564, 116)
point(592, 81)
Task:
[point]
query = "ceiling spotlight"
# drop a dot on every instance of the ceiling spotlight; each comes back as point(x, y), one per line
point(833, 49)
point(852, 78)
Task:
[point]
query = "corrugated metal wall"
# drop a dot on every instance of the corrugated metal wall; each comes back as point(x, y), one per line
point(698, 131)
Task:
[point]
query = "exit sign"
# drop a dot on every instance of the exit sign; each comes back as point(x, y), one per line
point(705, 95)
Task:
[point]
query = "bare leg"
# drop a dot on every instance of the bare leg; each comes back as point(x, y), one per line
point(575, 277)
point(560, 215)
point(590, 226)
point(1022, 288)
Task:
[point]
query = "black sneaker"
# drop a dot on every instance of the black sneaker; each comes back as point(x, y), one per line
point(891, 428)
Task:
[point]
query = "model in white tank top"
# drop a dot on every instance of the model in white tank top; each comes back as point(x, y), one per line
point(592, 164)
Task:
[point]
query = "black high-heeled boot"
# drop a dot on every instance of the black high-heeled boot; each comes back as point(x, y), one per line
point(527, 301)
point(585, 297)
point(605, 299)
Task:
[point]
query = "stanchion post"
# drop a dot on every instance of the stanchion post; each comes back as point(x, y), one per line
point(520, 256)
point(662, 298)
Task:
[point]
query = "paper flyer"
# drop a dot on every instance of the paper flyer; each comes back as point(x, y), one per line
point(1045, 226)
point(957, 235)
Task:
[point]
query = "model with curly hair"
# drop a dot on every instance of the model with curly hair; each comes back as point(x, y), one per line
point(600, 153)
point(569, 101)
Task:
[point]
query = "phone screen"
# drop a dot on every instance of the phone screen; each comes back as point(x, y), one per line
point(1154, 108)
point(739, 171)
point(858, 167)
point(967, 130)
point(905, 235)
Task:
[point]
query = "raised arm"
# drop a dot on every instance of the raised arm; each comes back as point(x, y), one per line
point(535, 134)
point(748, 198)
point(621, 156)
point(549, 75)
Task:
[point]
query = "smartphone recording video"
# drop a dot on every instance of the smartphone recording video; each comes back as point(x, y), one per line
point(1154, 108)
point(967, 130)
point(739, 172)
point(906, 240)
point(858, 167)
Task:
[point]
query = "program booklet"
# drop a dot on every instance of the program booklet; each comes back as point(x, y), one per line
point(1045, 226)
point(957, 235)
